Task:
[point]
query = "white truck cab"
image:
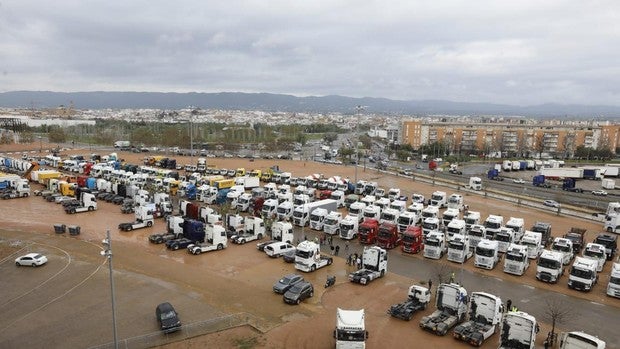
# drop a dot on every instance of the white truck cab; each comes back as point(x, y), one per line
point(613, 287)
point(597, 253)
point(430, 225)
point(434, 245)
point(493, 224)
point(518, 226)
point(582, 274)
point(550, 267)
point(504, 237)
point(578, 340)
point(430, 212)
point(455, 227)
point(472, 217)
point(533, 241)
point(372, 212)
point(350, 329)
point(565, 247)
point(455, 201)
point(438, 199)
point(516, 260)
point(348, 227)
point(477, 232)
point(486, 254)
point(449, 215)
point(357, 210)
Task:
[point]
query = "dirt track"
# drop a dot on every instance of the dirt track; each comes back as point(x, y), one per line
point(236, 279)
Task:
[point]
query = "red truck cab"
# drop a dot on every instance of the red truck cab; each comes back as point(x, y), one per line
point(388, 236)
point(413, 240)
point(368, 231)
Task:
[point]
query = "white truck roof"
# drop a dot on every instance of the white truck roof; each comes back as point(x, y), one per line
point(350, 319)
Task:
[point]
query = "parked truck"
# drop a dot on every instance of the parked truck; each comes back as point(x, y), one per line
point(348, 227)
point(253, 229)
point(301, 214)
point(368, 231)
point(550, 266)
point(174, 229)
point(487, 254)
point(418, 298)
point(475, 183)
point(87, 202)
point(438, 199)
point(576, 236)
point(374, 266)
point(613, 286)
point(583, 274)
point(308, 257)
point(282, 231)
point(350, 329)
point(388, 236)
point(485, 315)
point(565, 247)
point(458, 248)
point(407, 219)
point(545, 229)
point(215, 240)
point(144, 219)
point(493, 224)
point(516, 260)
point(413, 241)
point(596, 252)
point(518, 331)
point(331, 224)
point(451, 302)
point(434, 245)
point(472, 217)
point(533, 241)
point(317, 218)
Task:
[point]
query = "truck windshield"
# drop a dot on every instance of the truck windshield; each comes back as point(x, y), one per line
point(470, 221)
point(502, 237)
point(456, 245)
point(384, 233)
point(354, 211)
point(315, 218)
point(515, 257)
point(549, 263)
point(492, 225)
point(331, 221)
point(350, 335)
point(346, 226)
point(404, 220)
point(454, 230)
point(304, 254)
point(594, 254)
point(427, 214)
point(561, 248)
point(387, 217)
point(580, 273)
point(409, 238)
point(296, 214)
point(477, 233)
point(430, 226)
point(437, 197)
point(433, 242)
point(369, 214)
point(614, 280)
point(485, 252)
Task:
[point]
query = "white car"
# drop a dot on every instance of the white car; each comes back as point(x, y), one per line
point(31, 259)
point(518, 181)
point(278, 248)
point(599, 192)
point(551, 203)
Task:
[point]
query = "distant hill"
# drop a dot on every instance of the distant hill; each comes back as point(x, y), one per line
point(281, 102)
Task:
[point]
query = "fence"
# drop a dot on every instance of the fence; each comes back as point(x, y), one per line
point(190, 330)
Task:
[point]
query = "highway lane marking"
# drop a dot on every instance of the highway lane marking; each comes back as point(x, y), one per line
point(596, 303)
point(528, 286)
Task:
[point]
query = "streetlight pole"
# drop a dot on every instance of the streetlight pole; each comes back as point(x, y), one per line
point(40, 145)
point(107, 252)
point(359, 110)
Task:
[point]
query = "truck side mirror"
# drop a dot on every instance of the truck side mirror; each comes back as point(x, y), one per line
point(366, 334)
point(334, 333)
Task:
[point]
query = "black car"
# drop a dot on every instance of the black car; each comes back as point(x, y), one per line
point(178, 243)
point(299, 292)
point(168, 318)
point(286, 282)
point(289, 256)
point(610, 243)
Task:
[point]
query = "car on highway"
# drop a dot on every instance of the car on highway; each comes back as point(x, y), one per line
point(286, 282)
point(518, 181)
point(31, 260)
point(599, 192)
point(168, 318)
point(299, 292)
point(551, 203)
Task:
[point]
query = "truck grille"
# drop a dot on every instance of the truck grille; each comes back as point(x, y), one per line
point(454, 256)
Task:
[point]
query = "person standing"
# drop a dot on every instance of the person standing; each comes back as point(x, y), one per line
point(509, 305)
point(337, 249)
point(346, 246)
point(430, 285)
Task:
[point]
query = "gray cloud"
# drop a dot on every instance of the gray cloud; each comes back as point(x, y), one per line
point(524, 52)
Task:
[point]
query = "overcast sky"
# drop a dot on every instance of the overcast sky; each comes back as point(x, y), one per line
point(515, 52)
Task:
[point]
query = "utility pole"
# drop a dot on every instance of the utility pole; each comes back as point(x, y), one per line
point(107, 252)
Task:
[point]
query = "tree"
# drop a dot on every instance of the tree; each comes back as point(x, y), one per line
point(557, 312)
point(330, 137)
point(26, 137)
point(57, 135)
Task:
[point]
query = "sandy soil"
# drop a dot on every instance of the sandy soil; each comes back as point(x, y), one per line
point(231, 279)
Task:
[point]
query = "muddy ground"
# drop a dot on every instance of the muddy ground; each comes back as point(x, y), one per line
point(237, 279)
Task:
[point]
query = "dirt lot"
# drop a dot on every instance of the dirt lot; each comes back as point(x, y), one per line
point(71, 293)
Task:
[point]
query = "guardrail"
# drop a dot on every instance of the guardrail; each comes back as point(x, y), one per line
point(191, 330)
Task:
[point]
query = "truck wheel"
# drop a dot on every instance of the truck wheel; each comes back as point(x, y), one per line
point(363, 281)
point(90, 208)
point(312, 294)
point(149, 224)
point(329, 261)
point(298, 301)
point(260, 236)
point(609, 230)
point(313, 268)
point(220, 246)
point(72, 210)
point(176, 247)
point(382, 273)
point(197, 252)
point(129, 228)
point(17, 264)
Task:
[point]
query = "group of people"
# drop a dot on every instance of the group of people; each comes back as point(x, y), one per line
point(355, 260)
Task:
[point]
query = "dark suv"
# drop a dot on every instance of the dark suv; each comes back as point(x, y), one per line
point(286, 282)
point(609, 241)
point(168, 318)
point(299, 292)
